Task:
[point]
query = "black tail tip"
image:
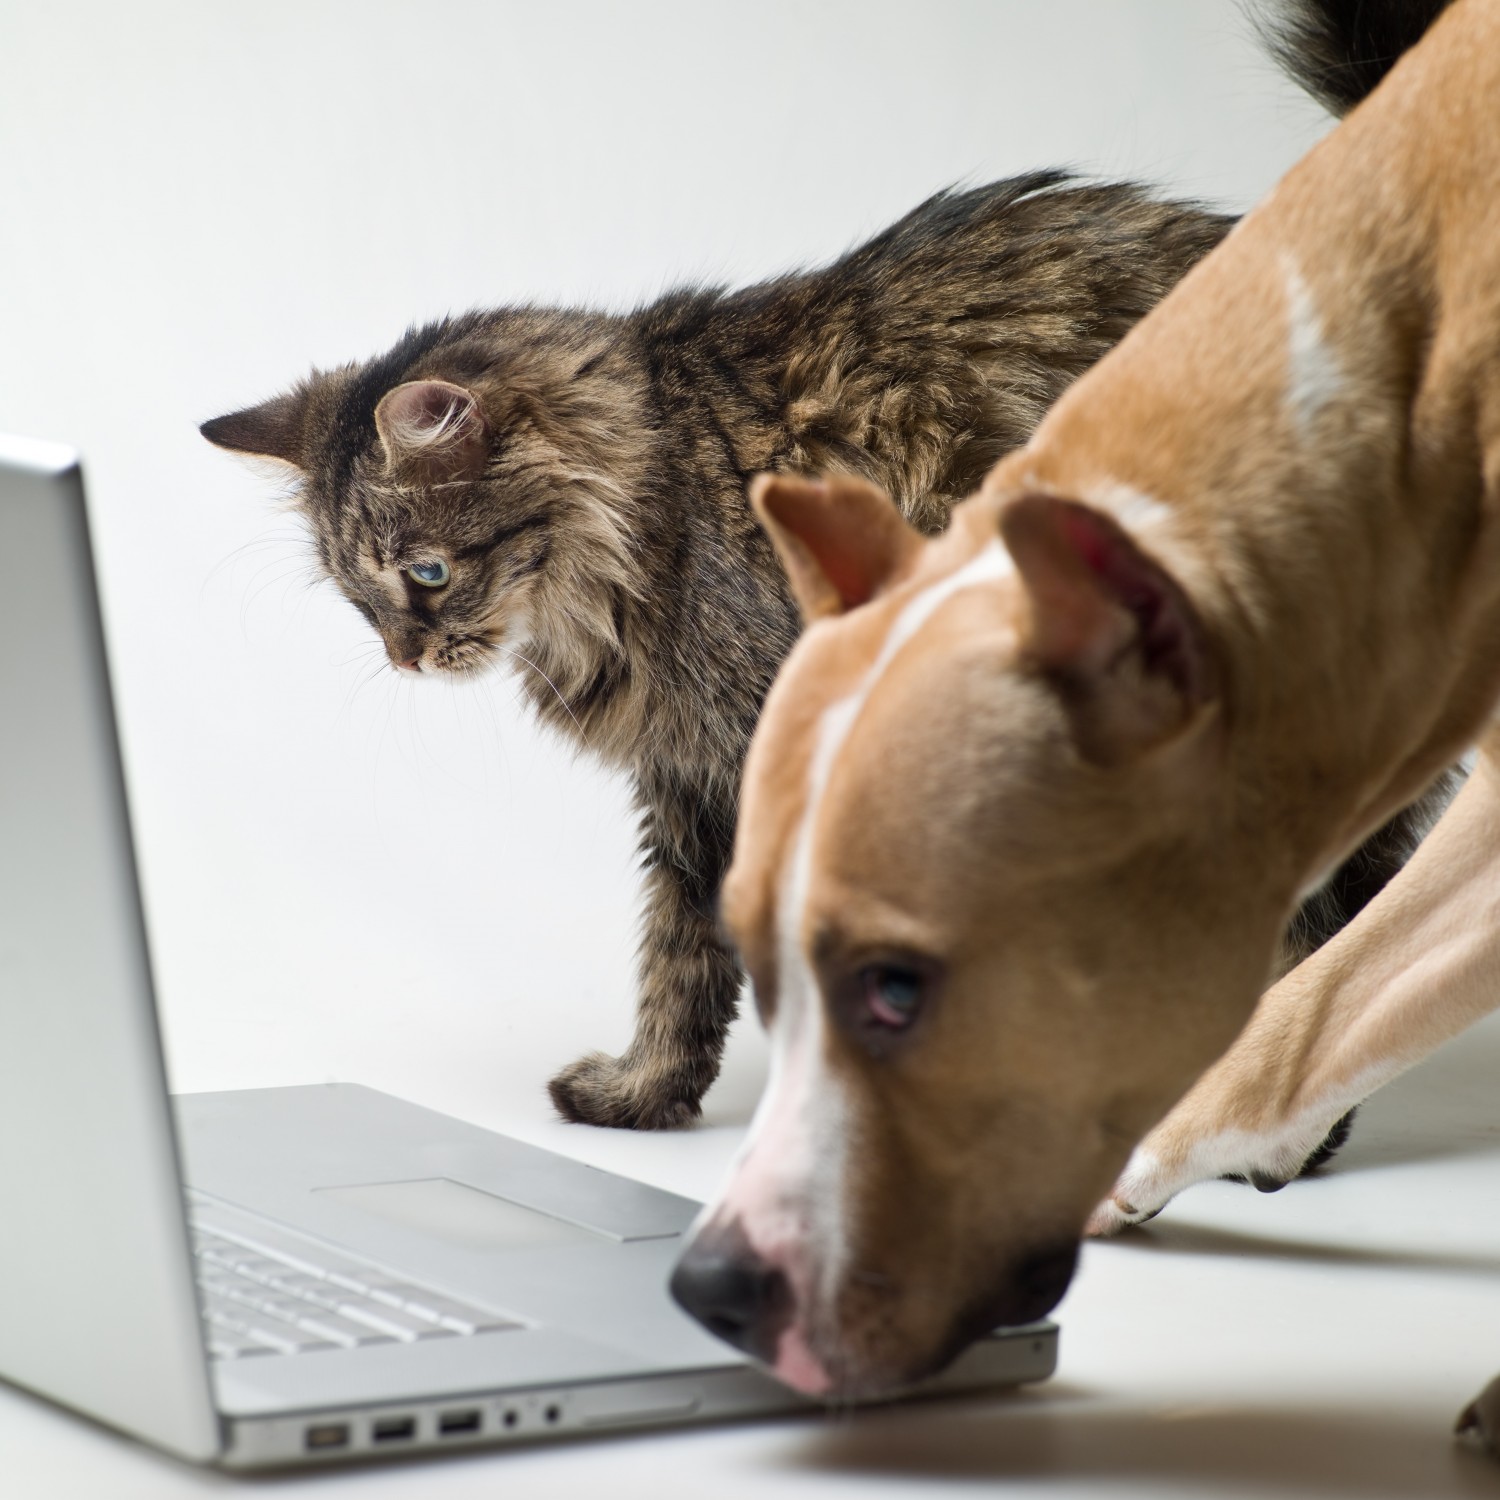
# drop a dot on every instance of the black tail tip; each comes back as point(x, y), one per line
point(1339, 50)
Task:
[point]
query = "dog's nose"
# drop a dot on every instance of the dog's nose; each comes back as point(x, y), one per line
point(735, 1294)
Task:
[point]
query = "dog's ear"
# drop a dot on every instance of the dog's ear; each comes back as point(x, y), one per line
point(1111, 628)
point(274, 429)
point(840, 540)
point(434, 427)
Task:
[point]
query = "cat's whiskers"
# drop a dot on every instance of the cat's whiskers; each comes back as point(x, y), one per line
point(361, 652)
point(280, 540)
point(567, 707)
point(414, 730)
point(283, 571)
point(357, 687)
point(369, 656)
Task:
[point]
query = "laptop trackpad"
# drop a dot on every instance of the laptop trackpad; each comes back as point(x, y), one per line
point(461, 1214)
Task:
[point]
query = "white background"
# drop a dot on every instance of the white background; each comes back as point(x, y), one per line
point(402, 883)
point(351, 875)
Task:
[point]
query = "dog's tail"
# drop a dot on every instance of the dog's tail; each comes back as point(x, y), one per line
point(1339, 50)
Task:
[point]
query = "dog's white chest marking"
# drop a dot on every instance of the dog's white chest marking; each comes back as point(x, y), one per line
point(1314, 378)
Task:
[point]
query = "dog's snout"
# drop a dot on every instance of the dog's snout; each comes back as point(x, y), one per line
point(733, 1292)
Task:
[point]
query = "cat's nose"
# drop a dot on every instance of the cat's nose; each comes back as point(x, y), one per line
point(413, 665)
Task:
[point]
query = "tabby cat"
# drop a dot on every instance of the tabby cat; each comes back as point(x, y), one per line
point(566, 489)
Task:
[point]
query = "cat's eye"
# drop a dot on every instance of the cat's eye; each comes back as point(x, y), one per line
point(431, 575)
point(890, 995)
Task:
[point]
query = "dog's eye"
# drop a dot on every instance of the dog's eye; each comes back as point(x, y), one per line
point(431, 575)
point(892, 995)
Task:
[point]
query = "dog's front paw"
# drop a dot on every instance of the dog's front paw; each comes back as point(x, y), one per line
point(1293, 1153)
point(601, 1090)
point(1480, 1419)
point(1143, 1190)
point(1179, 1152)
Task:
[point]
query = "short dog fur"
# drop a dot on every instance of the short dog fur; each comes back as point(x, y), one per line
point(1031, 802)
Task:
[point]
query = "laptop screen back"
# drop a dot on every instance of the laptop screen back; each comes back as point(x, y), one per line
point(98, 1308)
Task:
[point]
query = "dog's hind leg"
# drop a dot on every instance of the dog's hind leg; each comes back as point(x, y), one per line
point(1416, 967)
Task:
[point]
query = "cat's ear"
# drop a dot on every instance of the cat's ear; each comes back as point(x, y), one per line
point(435, 427)
point(1109, 625)
point(274, 429)
point(840, 540)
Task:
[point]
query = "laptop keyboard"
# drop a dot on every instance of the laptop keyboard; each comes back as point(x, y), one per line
point(266, 1291)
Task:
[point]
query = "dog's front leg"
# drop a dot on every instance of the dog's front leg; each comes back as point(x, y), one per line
point(1413, 969)
point(689, 980)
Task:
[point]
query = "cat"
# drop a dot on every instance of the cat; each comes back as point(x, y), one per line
point(565, 490)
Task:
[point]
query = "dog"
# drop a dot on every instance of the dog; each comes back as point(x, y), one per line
point(1031, 802)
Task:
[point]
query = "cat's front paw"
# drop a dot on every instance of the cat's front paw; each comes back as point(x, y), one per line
point(602, 1090)
point(1480, 1419)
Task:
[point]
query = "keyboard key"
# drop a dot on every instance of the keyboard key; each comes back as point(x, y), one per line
point(322, 1324)
point(395, 1321)
point(224, 1313)
point(287, 1338)
point(288, 1308)
point(232, 1297)
point(271, 1241)
point(461, 1317)
point(269, 1291)
point(395, 1293)
point(343, 1331)
point(256, 1267)
point(352, 1278)
point(213, 1255)
point(255, 1324)
point(313, 1289)
point(224, 1344)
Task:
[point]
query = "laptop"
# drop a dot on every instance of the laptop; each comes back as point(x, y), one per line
point(285, 1275)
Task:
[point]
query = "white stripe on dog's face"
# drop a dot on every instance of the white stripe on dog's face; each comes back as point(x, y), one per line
point(1313, 375)
point(788, 1185)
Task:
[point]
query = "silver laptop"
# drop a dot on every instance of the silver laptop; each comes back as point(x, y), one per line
point(290, 1275)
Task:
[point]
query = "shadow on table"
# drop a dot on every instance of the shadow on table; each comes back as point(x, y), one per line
point(1242, 1451)
point(1171, 1236)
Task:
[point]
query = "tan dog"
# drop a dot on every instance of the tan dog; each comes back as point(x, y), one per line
point(1030, 803)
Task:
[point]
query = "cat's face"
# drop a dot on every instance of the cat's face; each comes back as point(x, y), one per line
point(459, 518)
point(438, 553)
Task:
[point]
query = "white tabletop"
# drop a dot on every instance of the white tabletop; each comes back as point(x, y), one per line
point(1317, 1342)
point(197, 202)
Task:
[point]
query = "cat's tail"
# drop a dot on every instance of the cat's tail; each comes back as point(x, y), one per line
point(1339, 50)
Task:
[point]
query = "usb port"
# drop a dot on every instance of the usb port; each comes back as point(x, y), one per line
point(327, 1435)
point(394, 1429)
point(451, 1423)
